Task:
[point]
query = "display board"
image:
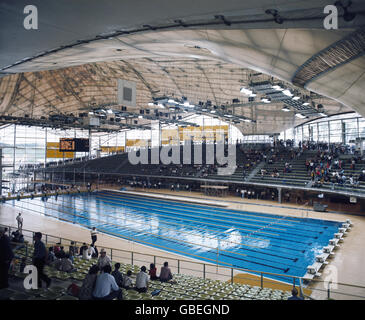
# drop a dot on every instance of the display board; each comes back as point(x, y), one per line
point(74, 145)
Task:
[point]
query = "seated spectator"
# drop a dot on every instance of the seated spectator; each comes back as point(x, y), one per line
point(127, 281)
point(117, 275)
point(56, 248)
point(165, 274)
point(152, 272)
point(105, 287)
point(294, 296)
point(51, 256)
point(142, 280)
point(60, 254)
point(96, 252)
point(22, 264)
point(73, 249)
point(66, 264)
point(103, 260)
point(84, 247)
point(87, 254)
point(17, 237)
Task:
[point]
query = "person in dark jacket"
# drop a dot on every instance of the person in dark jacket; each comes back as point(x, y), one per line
point(6, 256)
point(294, 296)
point(39, 259)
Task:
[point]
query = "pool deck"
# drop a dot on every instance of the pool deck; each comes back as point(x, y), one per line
point(345, 267)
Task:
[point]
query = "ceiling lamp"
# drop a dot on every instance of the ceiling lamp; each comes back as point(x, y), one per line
point(299, 115)
point(277, 87)
point(246, 91)
point(287, 93)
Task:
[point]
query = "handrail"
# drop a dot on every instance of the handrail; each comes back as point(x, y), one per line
point(243, 182)
point(250, 271)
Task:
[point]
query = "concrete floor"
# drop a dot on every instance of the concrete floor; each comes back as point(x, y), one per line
point(346, 267)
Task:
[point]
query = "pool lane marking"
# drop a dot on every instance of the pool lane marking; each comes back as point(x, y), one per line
point(172, 216)
point(133, 230)
point(170, 239)
point(294, 224)
point(190, 232)
point(204, 216)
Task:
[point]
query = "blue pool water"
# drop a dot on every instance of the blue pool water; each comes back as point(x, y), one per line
point(250, 240)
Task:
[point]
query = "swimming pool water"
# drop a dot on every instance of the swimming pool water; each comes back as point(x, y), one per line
point(250, 240)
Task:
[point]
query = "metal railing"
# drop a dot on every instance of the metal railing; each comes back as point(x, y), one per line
point(208, 270)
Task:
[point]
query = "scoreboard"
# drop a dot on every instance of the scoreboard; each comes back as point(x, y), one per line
point(74, 145)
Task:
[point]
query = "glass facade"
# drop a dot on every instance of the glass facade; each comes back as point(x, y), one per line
point(345, 128)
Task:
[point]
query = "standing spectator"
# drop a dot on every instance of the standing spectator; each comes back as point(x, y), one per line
point(105, 287)
point(88, 284)
point(165, 274)
point(117, 275)
point(39, 259)
point(6, 256)
point(103, 260)
point(19, 220)
point(94, 232)
point(142, 280)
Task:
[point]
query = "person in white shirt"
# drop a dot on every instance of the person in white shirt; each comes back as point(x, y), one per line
point(105, 286)
point(93, 235)
point(127, 281)
point(87, 254)
point(103, 260)
point(142, 280)
point(19, 219)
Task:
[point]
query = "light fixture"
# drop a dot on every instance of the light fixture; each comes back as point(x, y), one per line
point(287, 93)
point(246, 91)
point(151, 104)
point(275, 15)
point(277, 87)
point(299, 115)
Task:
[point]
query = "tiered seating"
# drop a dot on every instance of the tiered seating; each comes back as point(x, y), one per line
point(298, 177)
point(186, 287)
point(360, 166)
